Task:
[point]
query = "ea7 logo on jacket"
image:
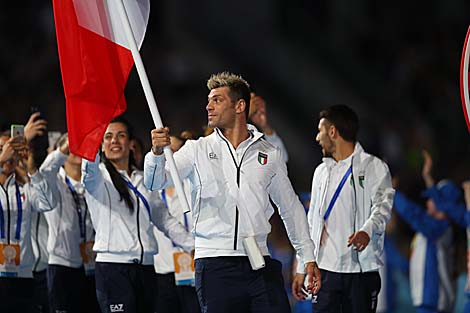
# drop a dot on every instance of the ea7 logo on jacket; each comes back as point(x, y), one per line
point(116, 307)
point(212, 156)
point(262, 158)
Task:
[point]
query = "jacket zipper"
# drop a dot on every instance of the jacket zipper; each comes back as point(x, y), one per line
point(355, 210)
point(8, 213)
point(235, 239)
point(138, 232)
point(37, 243)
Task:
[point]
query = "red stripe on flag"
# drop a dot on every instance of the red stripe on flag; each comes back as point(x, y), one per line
point(94, 74)
point(464, 72)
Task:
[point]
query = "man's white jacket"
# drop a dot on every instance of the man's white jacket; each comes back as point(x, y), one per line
point(372, 205)
point(122, 235)
point(230, 191)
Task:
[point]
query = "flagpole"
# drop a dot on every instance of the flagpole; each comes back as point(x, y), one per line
point(151, 103)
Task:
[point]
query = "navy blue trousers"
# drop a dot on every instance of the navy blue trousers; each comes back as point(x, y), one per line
point(70, 290)
point(347, 293)
point(228, 284)
point(40, 299)
point(128, 288)
point(175, 299)
point(16, 295)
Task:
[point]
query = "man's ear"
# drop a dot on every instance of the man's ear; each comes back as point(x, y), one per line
point(332, 132)
point(240, 106)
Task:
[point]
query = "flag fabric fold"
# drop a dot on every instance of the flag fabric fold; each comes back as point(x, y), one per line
point(464, 76)
point(95, 61)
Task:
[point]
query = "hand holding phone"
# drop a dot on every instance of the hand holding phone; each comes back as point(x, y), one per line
point(17, 132)
point(35, 127)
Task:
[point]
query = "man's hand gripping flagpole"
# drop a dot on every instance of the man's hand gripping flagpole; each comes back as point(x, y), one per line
point(151, 102)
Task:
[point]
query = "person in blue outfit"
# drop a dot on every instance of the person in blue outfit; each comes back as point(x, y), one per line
point(431, 265)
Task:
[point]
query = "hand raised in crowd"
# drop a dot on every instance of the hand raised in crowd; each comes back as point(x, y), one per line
point(26, 161)
point(160, 139)
point(427, 168)
point(7, 152)
point(359, 240)
point(35, 126)
point(30, 164)
point(64, 147)
point(299, 290)
point(258, 114)
point(466, 192)
point(14, 147)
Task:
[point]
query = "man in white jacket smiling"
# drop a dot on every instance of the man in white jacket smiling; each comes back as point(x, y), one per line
point(233, 172)
point(351, 202)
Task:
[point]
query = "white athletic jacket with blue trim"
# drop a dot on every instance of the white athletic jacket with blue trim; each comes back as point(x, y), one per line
point(16, 224)
point(64, 239)
point(230, 190)
point(123, 236)
point(371, 206)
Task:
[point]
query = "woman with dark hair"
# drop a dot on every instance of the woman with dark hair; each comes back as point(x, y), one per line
point(124, 213)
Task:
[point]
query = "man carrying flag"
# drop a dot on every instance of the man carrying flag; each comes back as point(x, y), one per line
point(234, 172)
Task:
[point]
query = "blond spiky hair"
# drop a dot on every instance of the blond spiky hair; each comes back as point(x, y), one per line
point(225, 79)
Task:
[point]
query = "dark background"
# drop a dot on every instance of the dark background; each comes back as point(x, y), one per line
point(395, 62)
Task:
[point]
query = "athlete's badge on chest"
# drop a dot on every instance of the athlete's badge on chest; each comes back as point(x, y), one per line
point(262, 158)
point(9, 259)
point(184, 269)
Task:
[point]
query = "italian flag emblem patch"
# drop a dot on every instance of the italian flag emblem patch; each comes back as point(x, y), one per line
point(262, 158)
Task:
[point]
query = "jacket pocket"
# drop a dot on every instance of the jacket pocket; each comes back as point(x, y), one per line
point(209, 187)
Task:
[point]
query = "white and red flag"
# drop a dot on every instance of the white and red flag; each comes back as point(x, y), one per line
point(95, 60)
point(464, 75)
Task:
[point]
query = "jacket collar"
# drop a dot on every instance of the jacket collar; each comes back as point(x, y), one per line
point(330, 162)
point(254, 134)
point(10, 180)
point(134, 178)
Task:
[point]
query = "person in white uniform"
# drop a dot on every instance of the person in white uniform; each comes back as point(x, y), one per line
point(233, 173)
point(351, 202)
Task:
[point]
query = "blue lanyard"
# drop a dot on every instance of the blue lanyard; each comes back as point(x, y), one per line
point(19, 217)
point(20, 212)
point(336, 194)
point(78, 208)
point(141, 196)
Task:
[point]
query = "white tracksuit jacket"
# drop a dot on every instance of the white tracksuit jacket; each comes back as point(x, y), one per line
point(164, 263)
point(64, 230)
point(372, 208)
point(39, 234)
point(230, 190)
point(123, 236)
point(15, 224)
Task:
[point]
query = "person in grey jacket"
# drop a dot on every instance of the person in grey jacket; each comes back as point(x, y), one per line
point(233, 172)
point(351, 202)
